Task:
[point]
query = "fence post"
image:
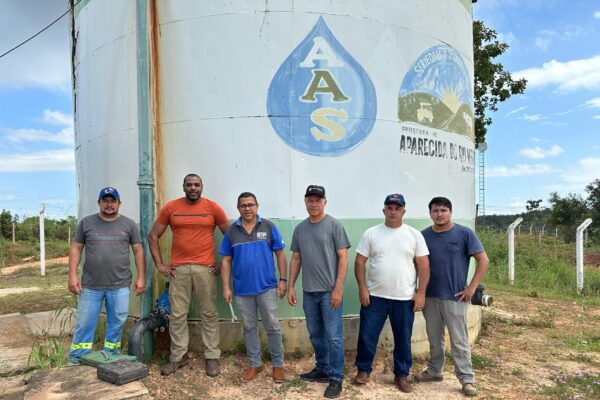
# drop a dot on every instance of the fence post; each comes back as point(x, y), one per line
point(579, 253)
point(42, 241)
point(530, 229)
point(511, 249)
point(13, 232)
point(69, 235)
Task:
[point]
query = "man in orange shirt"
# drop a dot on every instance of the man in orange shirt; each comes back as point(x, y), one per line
point(192, 268)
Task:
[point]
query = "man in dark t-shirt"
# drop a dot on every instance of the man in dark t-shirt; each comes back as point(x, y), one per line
point(451, 247)
point(107, 238)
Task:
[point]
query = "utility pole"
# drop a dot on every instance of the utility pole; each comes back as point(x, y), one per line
point(13, 231)
point(42, 241)
point(69, 236)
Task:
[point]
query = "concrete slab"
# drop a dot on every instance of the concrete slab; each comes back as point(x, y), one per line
point(79, 382)
point(16, 343)
point(52, 323)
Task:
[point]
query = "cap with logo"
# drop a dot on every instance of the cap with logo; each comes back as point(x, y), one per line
point(315, 190)
point(109, 191)
point(395, 198)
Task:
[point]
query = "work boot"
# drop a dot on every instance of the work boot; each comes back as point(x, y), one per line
point(334, 389)
point(425, 376)
point(250, 373)
point(469, 389)
point(362, 377)
point(278, 375)
point(173, 366)
point(315, 376)
point(212, 367)
point(403, 384)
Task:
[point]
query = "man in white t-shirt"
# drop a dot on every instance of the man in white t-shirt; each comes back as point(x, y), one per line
point(398, 256)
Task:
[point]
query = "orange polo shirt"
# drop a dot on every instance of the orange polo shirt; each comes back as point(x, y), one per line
point(193, 226)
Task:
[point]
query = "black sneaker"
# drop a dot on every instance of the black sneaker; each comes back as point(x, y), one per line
point(333, 390)
point(315, 376)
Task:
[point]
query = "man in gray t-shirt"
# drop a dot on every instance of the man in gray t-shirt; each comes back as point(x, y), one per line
point(107, 238)
point(320, 248)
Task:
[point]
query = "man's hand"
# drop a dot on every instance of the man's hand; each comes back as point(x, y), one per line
point(335, 299)
point(166, 270)
point(74, 284)
point(466, 294)
point(419, 299)
point(227, 295)
point(364, 296)
point(281, 289)
point(139, 287)
point(291, 296)
point(216, 270)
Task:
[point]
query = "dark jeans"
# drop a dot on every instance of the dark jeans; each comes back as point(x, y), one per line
point(324, 326)
point(372, 319)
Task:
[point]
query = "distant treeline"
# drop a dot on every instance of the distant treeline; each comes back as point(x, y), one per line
point(29, 228)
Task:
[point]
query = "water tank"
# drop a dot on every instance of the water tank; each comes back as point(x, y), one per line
point(363, 97)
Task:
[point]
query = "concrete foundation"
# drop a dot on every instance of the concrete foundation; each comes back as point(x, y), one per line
point(295, 334)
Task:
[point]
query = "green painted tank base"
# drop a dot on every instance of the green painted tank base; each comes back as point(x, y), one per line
point(296, 340)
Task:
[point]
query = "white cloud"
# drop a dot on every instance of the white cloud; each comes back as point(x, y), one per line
point(43, 62)
point(594, 103)
point(534, 139)
point(6, 197)
point(540, 153)
point(43, 161)
point(57, 118)
point(518, 170)
point(596, 117)
point(597, 15)
point(566, 76)
point(65, 136)
point(532, 118)
point(516, 110)
point(585, 172)
point(544, 40)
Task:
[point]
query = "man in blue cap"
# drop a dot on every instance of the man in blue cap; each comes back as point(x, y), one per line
point(398, 255)
point(107, 237)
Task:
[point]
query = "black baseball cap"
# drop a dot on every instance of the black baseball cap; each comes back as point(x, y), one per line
point(315, 190)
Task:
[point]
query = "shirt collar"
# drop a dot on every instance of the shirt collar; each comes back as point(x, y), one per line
point(239, 220)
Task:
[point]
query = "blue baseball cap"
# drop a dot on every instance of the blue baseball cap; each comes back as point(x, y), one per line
point(395, 198)
point(109, 191)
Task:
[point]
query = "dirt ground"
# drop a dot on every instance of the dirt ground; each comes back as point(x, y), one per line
point(529, 348)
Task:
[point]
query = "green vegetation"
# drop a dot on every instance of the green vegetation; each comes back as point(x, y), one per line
point(546, 268)
point(481, 362)
point(568, 386)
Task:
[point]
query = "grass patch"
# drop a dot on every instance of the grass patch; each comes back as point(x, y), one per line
point(294, 384)
point(11, 254)
point(30, 302)
point(585, 342)
point(56, 275)
point(579, 385)
point(481, 362)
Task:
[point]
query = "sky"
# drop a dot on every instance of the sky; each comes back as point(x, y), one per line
point(546, 140)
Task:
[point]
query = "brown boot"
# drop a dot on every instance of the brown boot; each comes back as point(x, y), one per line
point(403, 384)
point(278, 375)
point(362, 377)
point(212, 367)
point(251, 373)
point(172, 366)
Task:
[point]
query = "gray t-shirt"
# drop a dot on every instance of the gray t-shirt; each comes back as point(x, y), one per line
point(107, 244)
point(317, 244)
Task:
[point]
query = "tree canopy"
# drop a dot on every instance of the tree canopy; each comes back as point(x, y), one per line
point(493, 84)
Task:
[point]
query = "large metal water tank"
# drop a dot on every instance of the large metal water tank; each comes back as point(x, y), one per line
point(363, 97)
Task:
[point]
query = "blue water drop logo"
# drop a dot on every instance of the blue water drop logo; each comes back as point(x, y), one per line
point(321, 101)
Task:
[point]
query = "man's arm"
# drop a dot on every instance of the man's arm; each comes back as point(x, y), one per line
point(481, 266)
point(225, 274)
point(223, 227)
point(338, 290)
point(423, 274)
point(282, 267)
point(360, 270)
point(295, 265)
point(155, 233)
point(140, 265)
point(74, 259)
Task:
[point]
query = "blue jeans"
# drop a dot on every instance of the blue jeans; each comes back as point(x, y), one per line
point(89, 304)
point(372, 319)
point(249, 307)
point(324, 326)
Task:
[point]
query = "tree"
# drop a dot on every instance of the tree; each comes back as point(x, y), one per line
point(593, 202)
point(533, 205)
point(567, 213)
point(6, 221)
point(492, 83)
